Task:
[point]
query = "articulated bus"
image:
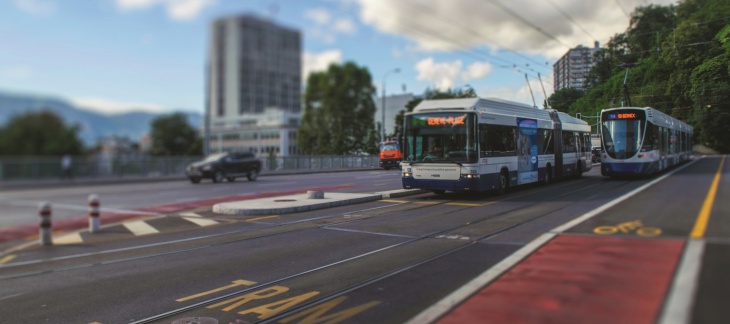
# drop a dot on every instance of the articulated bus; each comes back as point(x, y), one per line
point(490, 144)
point(642, 141)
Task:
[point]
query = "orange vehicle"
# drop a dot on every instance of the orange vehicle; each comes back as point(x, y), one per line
point(390, 154)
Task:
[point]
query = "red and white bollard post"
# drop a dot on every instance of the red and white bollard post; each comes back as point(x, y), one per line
point(44, 211)
point(94, 222)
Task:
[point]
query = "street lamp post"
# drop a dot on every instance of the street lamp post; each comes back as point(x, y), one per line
point(382, 125)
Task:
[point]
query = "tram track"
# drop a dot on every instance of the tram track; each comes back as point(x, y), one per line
point(71, 262)
point(345, 290)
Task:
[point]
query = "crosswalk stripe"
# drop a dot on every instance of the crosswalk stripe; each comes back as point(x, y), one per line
point(70, 238)
point(140, 228)
point(201, 221)
point(189, 214)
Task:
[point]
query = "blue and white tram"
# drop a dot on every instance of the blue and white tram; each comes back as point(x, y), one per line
point(490, 144)
point(642, 141)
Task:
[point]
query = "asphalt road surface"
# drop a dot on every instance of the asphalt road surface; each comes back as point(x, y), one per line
point(386, 261)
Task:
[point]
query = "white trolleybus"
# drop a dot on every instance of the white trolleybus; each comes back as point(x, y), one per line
point(490, 144)
point(642, 141)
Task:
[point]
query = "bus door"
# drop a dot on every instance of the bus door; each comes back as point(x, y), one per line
point(527, 155)
point(558, 141)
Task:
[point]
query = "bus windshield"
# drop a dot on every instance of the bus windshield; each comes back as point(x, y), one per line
point(440, 137)
point(622, 133)
point(389, 146)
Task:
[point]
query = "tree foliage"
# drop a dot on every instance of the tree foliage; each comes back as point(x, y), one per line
point(339, 111)
point(173, 135)
point(39, 133)
point(682, 67)
point(562, 99)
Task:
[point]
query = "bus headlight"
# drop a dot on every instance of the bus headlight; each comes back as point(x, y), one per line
point(407, 174)
point(470, 176)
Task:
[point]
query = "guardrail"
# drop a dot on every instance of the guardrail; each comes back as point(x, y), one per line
point(49, 167)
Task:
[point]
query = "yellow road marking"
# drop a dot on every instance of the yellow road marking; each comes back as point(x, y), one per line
point(464, 204)
point(7, 258)
point(394, 201)
point(70, 238)
point(201, 221)
point(427, 202)
point(140, 228)
point(260, 218)
point(704, 216)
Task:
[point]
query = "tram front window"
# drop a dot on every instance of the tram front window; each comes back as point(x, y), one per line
point(622, 138)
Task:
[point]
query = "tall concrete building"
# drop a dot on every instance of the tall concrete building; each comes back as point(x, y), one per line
point(571, 70)
point(393, 105)
point(254, 86)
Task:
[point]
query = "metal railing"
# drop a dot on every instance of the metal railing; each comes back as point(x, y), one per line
point(97, 166)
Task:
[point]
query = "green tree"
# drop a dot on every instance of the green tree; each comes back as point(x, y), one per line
point(172, 135)
point(338, 111)
point(39, 133)
point(562, 99)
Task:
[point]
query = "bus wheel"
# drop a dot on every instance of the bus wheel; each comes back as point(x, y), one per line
point(503, 182)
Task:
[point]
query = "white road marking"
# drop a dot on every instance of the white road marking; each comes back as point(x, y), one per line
point(446, 304)
point(189, 214)
point(678, 307)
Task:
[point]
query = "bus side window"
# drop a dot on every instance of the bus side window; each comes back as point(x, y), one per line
point(485, 146)
point(548, 147)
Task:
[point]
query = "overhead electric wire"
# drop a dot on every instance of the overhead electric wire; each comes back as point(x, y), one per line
point(479, 55)
point(471, 31)
point(527, 22)
point(567, 16)
point(623, 9)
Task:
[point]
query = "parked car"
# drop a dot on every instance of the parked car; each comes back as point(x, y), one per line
point(226, 165)
point(596, 154)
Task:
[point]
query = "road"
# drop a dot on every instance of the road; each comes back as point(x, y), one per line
point(387, 261)
point(20, 206)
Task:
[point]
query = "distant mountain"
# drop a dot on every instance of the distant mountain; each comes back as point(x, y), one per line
point(94, 126)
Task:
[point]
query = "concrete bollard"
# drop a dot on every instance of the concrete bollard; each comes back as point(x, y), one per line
point(312, 194)
point(44, 211)
point(94, 221)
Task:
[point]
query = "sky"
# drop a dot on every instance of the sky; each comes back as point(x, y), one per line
point(115, 56)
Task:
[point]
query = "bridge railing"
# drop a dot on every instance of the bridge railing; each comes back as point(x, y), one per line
point(49, 167)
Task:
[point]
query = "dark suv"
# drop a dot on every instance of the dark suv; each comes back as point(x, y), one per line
point(226, 165)
point(596, 154)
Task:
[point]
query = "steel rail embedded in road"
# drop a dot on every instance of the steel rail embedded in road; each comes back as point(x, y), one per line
point(369, 281)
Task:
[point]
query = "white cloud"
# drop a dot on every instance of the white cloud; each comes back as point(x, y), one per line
point(176, 9)
point(114, 107)
point(345, 26)
point(36, 7)
point(519, 94)
point(325, 28)
point(445, 75)
point(315, 62)
point(442, 75)
point(463, 24)
point(319, 16)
